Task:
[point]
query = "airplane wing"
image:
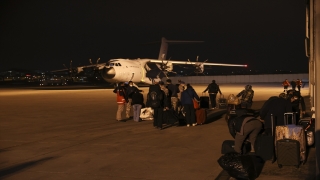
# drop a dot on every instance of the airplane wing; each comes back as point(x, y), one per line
point(79, 69)
point(196, 63)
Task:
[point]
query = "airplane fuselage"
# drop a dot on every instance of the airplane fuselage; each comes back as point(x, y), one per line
point(124, 70)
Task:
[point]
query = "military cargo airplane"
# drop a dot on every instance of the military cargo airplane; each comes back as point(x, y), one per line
point(144, 71)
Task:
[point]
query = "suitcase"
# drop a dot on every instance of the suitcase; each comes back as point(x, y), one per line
point(291, 132)
point(204, 101)
point(309, 129)
point(223, 105)
point(228, 146)
point(201, 116)
point(264, 145)
point(307, 123)
point(288, 151)
point(222, 100)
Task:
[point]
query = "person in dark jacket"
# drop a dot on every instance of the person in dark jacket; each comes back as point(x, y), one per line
point(297, 102)
point(129, 90)
point(299, 84)
point(293, 84)
point(137, 103)
point(245, 125)
point(246, 97)
point(213, 88)
point(173, 94)
point(162, 101)
point(186, 100)
point(276, 106)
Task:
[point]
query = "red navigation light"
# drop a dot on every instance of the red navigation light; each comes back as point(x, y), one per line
point(28, 75)
point(245, 65)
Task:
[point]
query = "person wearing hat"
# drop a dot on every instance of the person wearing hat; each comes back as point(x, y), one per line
point(213, 88)
point(245, 125)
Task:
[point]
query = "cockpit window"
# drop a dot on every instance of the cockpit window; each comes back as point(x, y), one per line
point(119, 64)
point(111, 64)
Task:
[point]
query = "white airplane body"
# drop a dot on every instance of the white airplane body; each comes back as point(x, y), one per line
point(145, 71)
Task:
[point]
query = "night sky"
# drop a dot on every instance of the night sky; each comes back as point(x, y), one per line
point(44, 34)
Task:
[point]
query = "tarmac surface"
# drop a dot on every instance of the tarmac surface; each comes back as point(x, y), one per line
point(72, 133)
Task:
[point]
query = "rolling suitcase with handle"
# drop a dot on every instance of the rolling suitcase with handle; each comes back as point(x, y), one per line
point(222, 102)
point(288, 151)
point(290, 142)
point(201, 116)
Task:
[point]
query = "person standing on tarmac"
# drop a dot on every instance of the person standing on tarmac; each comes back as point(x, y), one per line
point(213, 89)
point(299, 84)
point(173, 93)
point(187, 102)
point(293, 84)
point(285, 85)
point(298, 104)
point(246, 97)
point(181, 88)
point(137, 103)
point(121, 100)
point(129, 90)
point(157, 100)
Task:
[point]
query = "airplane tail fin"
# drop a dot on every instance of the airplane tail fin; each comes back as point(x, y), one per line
point(164, 46)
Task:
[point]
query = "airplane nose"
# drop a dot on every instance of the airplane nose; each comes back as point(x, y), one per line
point(109, 72)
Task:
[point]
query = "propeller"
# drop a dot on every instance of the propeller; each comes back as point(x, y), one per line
point(199, 67)
point(165, 67)
point(70, 69)
point(97, 62)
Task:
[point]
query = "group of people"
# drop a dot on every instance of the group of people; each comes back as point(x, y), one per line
point(294, 84)
point(161, 97)
point(247, 123)
point(128, 96)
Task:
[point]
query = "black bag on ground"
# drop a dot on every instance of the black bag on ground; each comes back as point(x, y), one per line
point(181, 118)
point(228, 146)
point(238, 166)
point(170, 117)
point(204, 101)
point(264, 145)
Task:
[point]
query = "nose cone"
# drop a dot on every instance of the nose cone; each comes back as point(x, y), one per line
point(109, 72)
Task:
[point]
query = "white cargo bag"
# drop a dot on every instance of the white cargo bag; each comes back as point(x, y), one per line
point(146, 114)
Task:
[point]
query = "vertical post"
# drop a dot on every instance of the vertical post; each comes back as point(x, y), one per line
point(316, 52)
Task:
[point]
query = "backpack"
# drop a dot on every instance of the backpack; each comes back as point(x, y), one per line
point(155, 99)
